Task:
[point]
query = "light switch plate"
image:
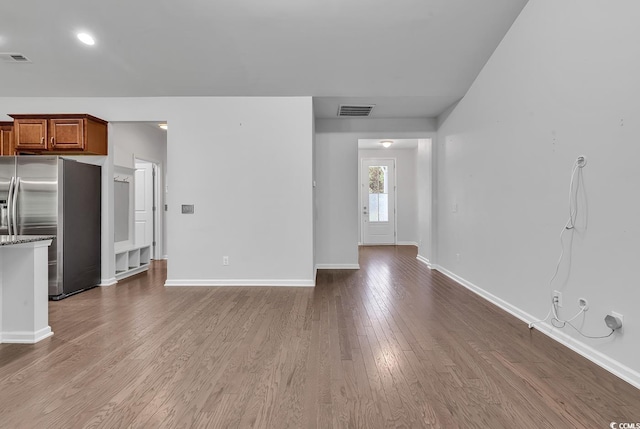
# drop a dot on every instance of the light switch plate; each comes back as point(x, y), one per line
point(187, 209)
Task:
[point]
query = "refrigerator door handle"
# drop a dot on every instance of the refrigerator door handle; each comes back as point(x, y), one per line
point(10, 206)
point(14, 214)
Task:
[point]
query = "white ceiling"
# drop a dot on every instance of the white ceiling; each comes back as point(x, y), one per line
point(396, 144)
point(412, 58)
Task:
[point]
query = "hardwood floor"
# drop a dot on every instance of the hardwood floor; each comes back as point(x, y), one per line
point(390, 345)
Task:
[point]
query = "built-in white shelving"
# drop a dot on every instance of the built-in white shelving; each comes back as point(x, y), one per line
point(132, 260)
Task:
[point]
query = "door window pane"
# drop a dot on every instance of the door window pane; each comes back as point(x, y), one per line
point(383, 207)
point(373, 207)
point(378, 194)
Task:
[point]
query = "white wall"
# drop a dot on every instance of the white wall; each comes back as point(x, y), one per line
point(336, 165)
point(406, 192)
point(138, 140)
point(564, 82)
point(426, 200)
point(222, 154)
point(133, 140)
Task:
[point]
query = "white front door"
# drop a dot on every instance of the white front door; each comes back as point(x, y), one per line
point(144, 204)
point(377, 208)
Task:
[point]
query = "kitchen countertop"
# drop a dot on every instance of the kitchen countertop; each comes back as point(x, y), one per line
point(7, 240)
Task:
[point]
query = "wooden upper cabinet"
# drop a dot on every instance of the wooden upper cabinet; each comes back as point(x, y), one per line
point(66, 134)
point(30, 134)
point(60, 133)
point(6, 138)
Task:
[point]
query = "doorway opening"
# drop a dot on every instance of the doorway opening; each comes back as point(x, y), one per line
point(140, 158)
point(414, 186)
point(378, 200)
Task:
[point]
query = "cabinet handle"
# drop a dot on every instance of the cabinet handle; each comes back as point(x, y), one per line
point(42, 140)
point(51, 140)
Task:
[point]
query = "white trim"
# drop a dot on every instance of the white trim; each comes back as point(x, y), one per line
point(240, 282)
point(337, 266)
point(26, 337)
point(407, 243)
point(424, 261)
point(132, 271)
point(108, 282)
point(616, 368)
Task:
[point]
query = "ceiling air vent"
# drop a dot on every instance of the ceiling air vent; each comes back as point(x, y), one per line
point(355, 111)
point(13, 58)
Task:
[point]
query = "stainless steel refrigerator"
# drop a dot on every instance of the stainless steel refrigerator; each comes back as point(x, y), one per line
point(50, 195)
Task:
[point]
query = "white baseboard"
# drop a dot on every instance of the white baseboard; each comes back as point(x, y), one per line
point(616, 368)
point(424, 261)
point(26, 337)
point(108, 282)
point(240, 282)
point(407, 243)
point(338, 267)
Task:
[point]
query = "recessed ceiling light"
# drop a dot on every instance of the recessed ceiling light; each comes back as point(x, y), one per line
point(86, 39)
point(163, 126)
point(386, 143)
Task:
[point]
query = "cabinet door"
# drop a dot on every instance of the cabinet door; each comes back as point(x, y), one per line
point(67, 134)
point(30, 134)
point(6, 140)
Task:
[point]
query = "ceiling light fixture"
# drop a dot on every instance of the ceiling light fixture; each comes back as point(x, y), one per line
point(386, 143)
point(86, 39)
point(163, 126)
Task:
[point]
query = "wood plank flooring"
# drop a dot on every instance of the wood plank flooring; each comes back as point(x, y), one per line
point(392, 345)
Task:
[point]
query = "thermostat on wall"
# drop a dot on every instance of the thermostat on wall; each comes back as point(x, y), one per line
point(187, 209)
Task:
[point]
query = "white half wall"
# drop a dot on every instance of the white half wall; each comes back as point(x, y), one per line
point(246, 165)
point(562, 83)
point(406, 190)
point(336, 166)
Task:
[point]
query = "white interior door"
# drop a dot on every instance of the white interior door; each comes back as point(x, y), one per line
point(144, 203)
point(378, 208)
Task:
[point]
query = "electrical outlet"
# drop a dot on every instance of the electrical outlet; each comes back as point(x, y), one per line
point(557, 298)
point(583, 304)
point(225, 260)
